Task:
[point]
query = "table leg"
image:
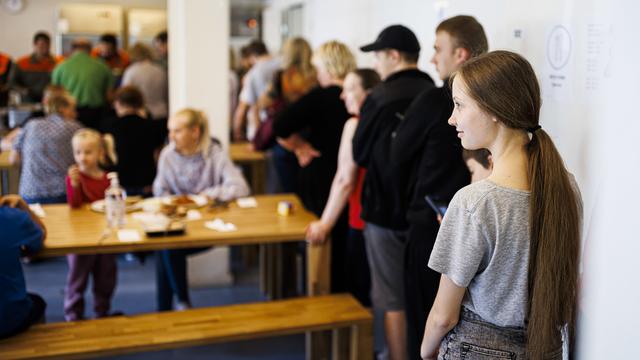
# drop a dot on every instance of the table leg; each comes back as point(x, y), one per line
point(362, 341)
point(318, 283)
point(268, 270)
point(258, 177)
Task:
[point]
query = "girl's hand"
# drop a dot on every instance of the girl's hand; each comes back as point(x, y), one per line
point(74, 175)
point(317, 232)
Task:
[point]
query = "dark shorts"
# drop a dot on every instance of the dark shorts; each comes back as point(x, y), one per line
point(385, 250)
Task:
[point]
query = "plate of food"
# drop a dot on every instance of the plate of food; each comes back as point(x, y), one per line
point(188, 201)
point(133, 203)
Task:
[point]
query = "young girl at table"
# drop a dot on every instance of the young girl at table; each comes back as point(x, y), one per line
point(86, 182)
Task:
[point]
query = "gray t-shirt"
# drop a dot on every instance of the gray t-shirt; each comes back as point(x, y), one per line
point(483, 245)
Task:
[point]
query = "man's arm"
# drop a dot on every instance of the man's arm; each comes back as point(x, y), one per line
point(365, 134)
point(16, 202)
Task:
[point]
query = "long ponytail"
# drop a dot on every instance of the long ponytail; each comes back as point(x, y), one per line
point(555, 235)
point(504, 85)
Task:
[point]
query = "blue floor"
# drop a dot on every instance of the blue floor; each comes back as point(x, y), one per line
point(135, 294)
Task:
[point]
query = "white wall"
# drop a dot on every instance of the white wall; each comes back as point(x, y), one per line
point(610, 310)
point(589, 112)
point(16, 31)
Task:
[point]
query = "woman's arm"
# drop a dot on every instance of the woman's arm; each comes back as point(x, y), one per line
point(14, 157)
point(443, 317)
point(229, 182)
point(304, 151)
point(161, 186)
point(343, 184)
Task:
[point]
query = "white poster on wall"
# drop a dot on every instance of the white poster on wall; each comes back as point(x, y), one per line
point(559, 49)
point(598, 56)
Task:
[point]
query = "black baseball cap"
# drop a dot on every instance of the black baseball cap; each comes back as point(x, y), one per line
point(396, 37)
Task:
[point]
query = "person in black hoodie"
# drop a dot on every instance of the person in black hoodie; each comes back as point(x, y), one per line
point(136, 139)
point(427, 155)
point(396, 53)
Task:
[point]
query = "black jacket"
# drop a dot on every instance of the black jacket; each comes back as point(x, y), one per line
point(427, 155)
point(136, 140)
point(381, 113)
point(319, 116)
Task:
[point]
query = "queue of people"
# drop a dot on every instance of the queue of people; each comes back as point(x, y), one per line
point(442, 204)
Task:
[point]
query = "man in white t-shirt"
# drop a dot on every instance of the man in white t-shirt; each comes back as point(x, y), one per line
point(254, 84)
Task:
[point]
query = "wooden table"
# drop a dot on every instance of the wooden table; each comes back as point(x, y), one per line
point(80, 231)
point(242, 153)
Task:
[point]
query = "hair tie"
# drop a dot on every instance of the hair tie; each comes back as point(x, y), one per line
point(533, 129)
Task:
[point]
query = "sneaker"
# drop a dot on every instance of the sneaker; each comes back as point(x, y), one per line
point(111, 314)
point(182, 306)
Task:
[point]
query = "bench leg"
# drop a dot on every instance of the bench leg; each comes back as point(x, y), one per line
point(362, 341)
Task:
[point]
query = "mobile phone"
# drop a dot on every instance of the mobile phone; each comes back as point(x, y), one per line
point(439, 208)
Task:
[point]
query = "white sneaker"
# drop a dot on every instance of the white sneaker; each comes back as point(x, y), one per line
point(182, 306)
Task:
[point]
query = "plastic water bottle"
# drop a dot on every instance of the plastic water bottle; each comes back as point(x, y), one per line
point(115, 202)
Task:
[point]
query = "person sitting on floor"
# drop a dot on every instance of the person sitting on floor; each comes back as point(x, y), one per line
point(86, 182)
point(22, 234)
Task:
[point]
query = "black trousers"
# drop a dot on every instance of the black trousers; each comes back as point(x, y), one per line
point(36, 315)
point(421, 283)
point(356, 271)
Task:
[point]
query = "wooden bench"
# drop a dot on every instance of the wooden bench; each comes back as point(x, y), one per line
point(169, 330)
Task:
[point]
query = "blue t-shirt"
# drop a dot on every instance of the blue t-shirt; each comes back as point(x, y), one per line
point(18, 230)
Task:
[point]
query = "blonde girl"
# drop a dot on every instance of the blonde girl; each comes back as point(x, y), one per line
point(86, 182)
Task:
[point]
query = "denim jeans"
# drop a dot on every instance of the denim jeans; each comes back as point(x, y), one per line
point(171, 276)
point(475, 339)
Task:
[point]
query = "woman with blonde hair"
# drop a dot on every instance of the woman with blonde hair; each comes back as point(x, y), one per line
point(312, 128)
point(298, 75)
point(296, 78)
point(191, 164)
point(508, 245)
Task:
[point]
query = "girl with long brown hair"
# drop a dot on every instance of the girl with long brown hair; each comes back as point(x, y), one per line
point(508, 245)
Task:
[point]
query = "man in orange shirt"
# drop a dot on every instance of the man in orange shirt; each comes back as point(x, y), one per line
point(5, 68)
point(116, 59)
point(33, 72)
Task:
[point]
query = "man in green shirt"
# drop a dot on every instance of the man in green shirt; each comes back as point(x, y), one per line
point(89, 81)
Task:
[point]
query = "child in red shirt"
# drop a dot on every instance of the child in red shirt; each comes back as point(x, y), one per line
point(86, 182)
